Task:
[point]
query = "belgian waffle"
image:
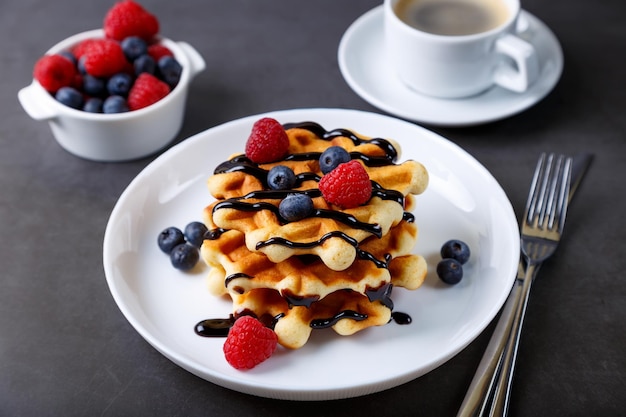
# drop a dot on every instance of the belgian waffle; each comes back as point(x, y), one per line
point(244, 203)
point(335, 268)
point(303, 291)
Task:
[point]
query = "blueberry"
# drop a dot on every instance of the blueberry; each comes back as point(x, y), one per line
point(145, 63)
point(115, 104)
point(295, 207)
point(134, 47)
point(81, 65)
point(170, 70)
point(456, 249)
point(184, 256)
point(332, 157)
point(281, 177)
point(450, 271)
point(69, 55)
point(70, 97)
point(195, 232)
point(169, 238)
point(119, 84)
point(93, 86)
point(93, 105)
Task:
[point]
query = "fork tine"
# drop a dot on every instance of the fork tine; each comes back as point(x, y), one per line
point(563, 197)
point(556, 186)
point(544, 196)
point(547, 201)
point(531, 204)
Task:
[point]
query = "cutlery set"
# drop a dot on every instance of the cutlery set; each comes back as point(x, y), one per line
point(554, 183)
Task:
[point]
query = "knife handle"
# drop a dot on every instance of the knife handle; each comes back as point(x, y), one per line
point(502, 389)
point(478, 394)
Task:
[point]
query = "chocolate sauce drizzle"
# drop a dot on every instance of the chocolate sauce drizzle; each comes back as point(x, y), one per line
point(240, 163)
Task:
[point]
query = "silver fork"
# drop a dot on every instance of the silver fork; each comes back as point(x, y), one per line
point(542, 227)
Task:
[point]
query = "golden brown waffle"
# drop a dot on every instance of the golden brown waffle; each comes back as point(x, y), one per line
point(335, 268)
point(303, 290)
point(262, 226)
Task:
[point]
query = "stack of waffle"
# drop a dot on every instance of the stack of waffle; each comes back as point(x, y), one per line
point(335, 268)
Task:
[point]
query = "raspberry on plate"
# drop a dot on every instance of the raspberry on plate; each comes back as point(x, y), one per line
point(147, 90)
point(104, 58)
point(268, 141)
point(127, 18)
point(54, 72)
point(249, 343)
point(346, 186)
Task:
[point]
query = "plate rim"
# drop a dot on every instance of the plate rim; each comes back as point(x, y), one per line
point(253, 388)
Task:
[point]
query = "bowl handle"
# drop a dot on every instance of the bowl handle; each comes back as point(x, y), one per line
point(196, 61)
point(30, 98)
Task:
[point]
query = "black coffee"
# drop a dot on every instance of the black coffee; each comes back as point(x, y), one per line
point(452, 17)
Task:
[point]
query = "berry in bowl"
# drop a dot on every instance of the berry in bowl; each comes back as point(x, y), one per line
point(116, 93)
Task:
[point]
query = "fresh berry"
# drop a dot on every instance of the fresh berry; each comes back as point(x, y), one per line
point(456, 249)
point(281, 177)
point(268, 141)
point(104, 58)
point(134, 47)
point(115, 104)
point(82, 47)
point(101, 68)
point(184, 256)
point(127, 18)
point(170, 70)
point(295, 207)
point(158, 51)
point(70, 97)
point(450, 271)
point(54, 72)
point(80, 66)
point(147, 90)
point(346, 186)
point(145, 63)
point(94, 86)
point(195, 232)
point(332, 157)
point(169, 238)
point(249, 343)
point(93, 105)
point(69, 55)
point(119, 84)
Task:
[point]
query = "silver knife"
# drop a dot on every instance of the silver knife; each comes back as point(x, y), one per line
point(483, 387)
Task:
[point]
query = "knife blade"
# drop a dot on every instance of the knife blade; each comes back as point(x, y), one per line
point(484, 384)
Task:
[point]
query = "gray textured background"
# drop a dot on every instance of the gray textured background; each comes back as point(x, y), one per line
point(66, 349)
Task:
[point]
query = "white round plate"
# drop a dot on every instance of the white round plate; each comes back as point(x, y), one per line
point(361, 61)
point(462, 201)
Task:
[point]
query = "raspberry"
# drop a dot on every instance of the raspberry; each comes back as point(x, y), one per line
point(54, 72)
point(346, 186)
point(82, 47)
point(103, 58)
point(147, 90)
point(158, 51)
point(127, 18)
point(268, 141)
point(249, 343)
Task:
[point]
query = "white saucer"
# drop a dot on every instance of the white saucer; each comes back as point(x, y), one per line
point(361, 62)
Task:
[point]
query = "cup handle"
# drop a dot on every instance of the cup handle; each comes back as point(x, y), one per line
point(31, 100)
point(196, 61)
point(523, 71)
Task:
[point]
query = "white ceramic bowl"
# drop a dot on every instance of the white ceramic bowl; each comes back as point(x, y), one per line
point(121, 136)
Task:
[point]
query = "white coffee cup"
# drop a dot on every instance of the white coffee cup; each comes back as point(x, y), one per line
point(437, 55)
